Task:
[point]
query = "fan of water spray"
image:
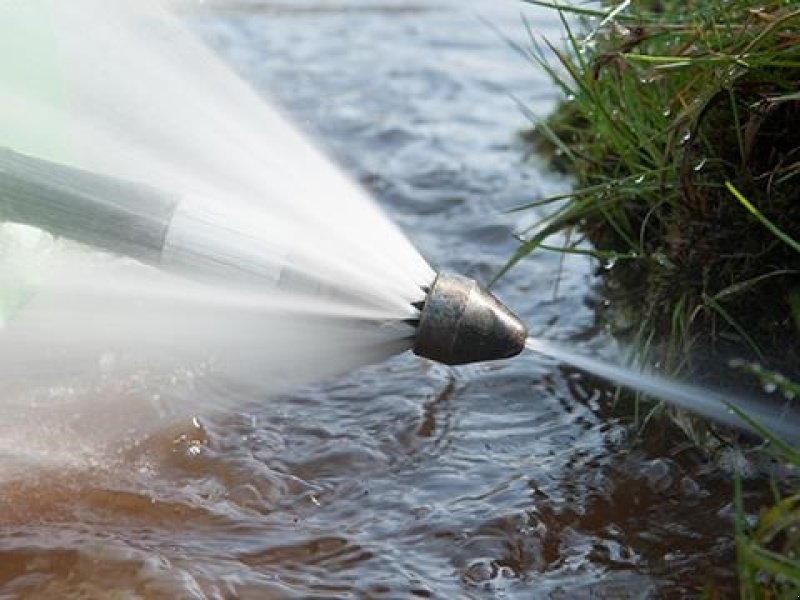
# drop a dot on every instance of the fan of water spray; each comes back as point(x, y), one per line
point(120, 89)
point(121, 131)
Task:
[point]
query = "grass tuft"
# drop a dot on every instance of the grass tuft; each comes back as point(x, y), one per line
point(680, 124)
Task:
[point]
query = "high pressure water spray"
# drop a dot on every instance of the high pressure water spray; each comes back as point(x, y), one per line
point(459, 321)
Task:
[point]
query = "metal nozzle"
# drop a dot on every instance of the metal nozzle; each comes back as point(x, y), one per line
point(461, 322)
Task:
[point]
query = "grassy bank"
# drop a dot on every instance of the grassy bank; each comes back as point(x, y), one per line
point(681, 126)
point(678, 126)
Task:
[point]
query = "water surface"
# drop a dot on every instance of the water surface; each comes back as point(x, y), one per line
point(406, 479)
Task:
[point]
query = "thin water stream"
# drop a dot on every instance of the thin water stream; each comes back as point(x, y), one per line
point(400, 480)
point(719, 407)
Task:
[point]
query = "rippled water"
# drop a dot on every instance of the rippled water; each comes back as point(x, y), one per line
point(507, 480)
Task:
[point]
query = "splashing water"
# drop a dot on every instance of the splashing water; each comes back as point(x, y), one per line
point(713, 405)
point(293, 272)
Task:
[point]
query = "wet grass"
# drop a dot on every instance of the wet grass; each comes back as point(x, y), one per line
point(680, 123)
point(677, 124)
point(768, 543)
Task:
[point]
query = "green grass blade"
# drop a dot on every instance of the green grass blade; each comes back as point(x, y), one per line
point(777, 232)
point(717, 307)
point(784, 449)
point(743, 286)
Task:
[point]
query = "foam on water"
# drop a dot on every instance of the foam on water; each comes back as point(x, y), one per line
point(287, 270)
point(714, 405)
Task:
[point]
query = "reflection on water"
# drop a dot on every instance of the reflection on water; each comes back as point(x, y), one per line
point(405, 480)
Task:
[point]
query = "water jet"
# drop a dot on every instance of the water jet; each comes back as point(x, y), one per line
point(459, 321)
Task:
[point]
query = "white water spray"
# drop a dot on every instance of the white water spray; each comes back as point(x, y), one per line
point(316, 279)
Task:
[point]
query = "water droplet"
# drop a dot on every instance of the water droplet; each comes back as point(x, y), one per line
point(667, 112)
point(639, 179)
point(770, 387)
point(662, 260)
point(194, 450)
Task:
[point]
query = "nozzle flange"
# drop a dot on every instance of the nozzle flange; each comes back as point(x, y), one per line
point(462, 322)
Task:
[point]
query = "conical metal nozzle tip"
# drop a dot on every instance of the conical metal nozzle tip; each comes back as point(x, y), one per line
point(461, 322)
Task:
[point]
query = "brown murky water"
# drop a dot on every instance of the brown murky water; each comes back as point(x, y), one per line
point(404, 480)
